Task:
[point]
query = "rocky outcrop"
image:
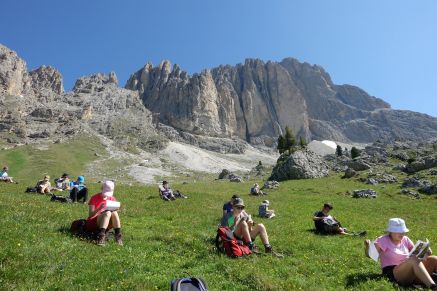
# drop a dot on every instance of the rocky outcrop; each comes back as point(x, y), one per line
point(421, 164)
point(358, 165)
point(349, 173)
point(228, 101)
point(14, 78)
point(364, 193)
point(46, 78)
point(300, 165)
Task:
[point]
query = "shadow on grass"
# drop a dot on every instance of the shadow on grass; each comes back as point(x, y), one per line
point(89, 237)
point(152, 197)
point(356, 279)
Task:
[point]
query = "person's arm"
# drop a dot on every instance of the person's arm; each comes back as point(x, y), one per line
point(93, 211)
point(317, 218)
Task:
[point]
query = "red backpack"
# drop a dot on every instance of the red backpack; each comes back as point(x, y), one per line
point(226, 242)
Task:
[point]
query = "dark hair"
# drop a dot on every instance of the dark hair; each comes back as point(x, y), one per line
point(328, 205)
point(235, 196)
point(65, 175)
point(164, 182)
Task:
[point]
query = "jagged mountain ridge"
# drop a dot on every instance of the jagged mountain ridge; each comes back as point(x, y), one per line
point(254, 101)
point(216, 109)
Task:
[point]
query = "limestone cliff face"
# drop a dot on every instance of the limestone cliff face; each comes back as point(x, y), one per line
point(254, 101)
point(33, 105)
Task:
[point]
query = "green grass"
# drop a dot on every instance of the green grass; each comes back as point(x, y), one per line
point(27, 163)
point(164, 241)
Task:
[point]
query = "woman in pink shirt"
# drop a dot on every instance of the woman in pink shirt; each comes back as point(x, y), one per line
point(396, 264)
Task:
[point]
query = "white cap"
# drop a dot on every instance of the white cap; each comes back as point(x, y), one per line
point(396, 225)
point(108, 188)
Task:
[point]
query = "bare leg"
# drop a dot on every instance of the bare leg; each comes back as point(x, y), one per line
point(103, 219)
point(409, 270)
point(243, 231)
point(431, 264)
point(260, 230)
point(115, 219)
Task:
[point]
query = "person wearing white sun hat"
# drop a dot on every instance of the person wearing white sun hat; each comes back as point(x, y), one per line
point(100, 219)
point(396, 264)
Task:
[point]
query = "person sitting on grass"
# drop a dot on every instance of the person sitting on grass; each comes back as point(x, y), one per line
point(4, 177)
point(62, 183)
point(43, 186)
point(264, 210)
point(244, 228)
point(396, 264)
point(100, 219)
point(78, 190)
point(165, 192)
point(327, 224)
point(227, 208)
point(255, 190)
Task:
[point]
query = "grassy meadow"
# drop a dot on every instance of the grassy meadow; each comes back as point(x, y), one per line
point(168, 240)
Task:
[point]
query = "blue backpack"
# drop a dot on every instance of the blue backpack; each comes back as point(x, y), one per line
point(189, 284)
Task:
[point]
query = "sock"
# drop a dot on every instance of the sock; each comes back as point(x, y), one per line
point(117, 231)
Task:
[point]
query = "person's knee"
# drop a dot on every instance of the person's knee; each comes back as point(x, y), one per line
point(105, 214)
point(261, 227)
point(244, 225)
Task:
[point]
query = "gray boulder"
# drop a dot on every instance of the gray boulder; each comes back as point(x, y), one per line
point(364, 193)
point(235, 178)
point(302, 164)
point(358, 165)
point(422, 164)
point(429, 189)
point(410, 193)
point(399, 167)
point(415, 182)
point(372, 181)
point(224, 174)
point(349, 173)
point(433, 172)
point(271, 185)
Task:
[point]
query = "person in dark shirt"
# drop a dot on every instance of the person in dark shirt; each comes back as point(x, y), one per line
point(227, 207)
point(325, 223)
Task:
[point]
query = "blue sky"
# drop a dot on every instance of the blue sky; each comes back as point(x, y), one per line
point(388, 48)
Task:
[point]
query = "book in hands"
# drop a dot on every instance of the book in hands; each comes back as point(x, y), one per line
point(420, 249)
point(112, 205)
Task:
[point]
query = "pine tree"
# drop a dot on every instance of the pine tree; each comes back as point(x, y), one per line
point(339, 151)
point(281, 144)
point(302, 142)
point(290, 140)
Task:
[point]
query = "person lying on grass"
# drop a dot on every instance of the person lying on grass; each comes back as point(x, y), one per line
point(396, 264)
point(255, 190)
point(78, 190)
point(4, 177)
point(165, 192)
point(327, 224)
point(244, 228)
point(100, 219)
point(43, 186)
point(62, 183)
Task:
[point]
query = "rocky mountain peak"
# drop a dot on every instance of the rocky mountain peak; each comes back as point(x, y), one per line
point(46, 78)
point(95, 83)
point(13, 72)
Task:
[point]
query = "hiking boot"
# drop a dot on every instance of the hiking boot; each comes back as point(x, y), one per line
point(101, 240)
point(268, 249)
point(118, 239)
